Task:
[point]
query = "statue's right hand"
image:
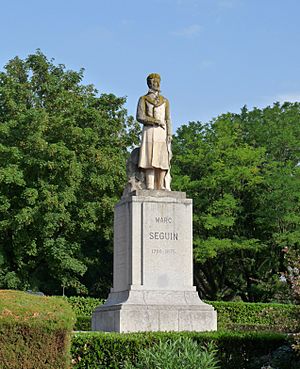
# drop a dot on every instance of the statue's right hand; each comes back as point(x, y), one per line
point(153, 122)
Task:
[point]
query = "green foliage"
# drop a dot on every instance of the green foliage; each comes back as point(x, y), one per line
point(234, 350)
point(84, 305)
point(104, 350)
point(242, 316)
point(83, 323)
point(172, 354)
point(58, 186)
point(83, 308)
point(296, 345)
point(34, 331)
point(242, 172)
point(282, 358)
point(292, 275)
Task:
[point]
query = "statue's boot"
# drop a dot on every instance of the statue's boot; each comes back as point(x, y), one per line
point(160, 179)
point(150, 179)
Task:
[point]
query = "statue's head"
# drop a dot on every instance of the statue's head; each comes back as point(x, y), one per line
point(153, 81)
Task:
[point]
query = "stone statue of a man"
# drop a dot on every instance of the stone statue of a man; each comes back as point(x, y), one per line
point(153, 112)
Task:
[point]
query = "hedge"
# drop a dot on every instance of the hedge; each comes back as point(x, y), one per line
point(83, 323)
point(246, 316)
point(84, 306)
point(232, 316)
point(248, 350)
point(35, 331)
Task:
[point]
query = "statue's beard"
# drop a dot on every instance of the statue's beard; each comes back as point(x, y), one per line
point(155, 92)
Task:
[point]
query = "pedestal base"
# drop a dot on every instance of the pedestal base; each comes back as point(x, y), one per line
point(153, 268)
point(154, 311)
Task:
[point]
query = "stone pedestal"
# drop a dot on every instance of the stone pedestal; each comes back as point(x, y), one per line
point(153, 268)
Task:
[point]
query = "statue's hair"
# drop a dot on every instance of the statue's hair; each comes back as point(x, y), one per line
point(153, 75)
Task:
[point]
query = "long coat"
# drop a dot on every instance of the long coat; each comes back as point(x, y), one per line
point(154, 151)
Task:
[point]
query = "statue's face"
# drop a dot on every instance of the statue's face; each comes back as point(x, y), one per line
point(154, 84)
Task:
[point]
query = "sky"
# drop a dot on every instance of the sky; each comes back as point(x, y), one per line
point(214, 56)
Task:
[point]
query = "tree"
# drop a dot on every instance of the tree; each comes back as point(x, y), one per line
point(241, 171)
point(62, 168)
point(292, 274)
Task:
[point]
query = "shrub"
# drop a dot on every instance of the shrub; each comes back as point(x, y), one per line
point(243, 316)
point(173, 354)
point(35, 331)
point(98, 350)
point(296, 345)
point(84, 306)
point(83, 323)
point(234, 350)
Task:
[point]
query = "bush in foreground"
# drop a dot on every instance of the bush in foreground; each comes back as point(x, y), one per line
point(34, 331)
point(249, 350)
point(173, 354)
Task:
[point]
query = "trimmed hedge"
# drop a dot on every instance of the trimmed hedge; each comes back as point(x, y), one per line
point(83, 323)
point(35, 331)
point(249, 350)
point(84, 306)
point(246, 316)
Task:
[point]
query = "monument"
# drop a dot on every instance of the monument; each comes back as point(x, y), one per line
point(153, 249)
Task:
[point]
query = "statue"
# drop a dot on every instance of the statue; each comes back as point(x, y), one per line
point(155, 152)
point(148, 167)
point(153, 239)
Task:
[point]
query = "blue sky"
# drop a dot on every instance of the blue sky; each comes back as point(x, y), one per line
point(214, 56)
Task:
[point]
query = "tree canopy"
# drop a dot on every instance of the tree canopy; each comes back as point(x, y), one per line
point(62, 168)
point(242, 171)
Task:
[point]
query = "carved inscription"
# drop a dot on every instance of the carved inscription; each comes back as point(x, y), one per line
point(163, 251)
point(172, 236)
point(166, 236)
point(165, 220)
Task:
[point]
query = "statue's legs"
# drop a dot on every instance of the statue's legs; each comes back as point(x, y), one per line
point(155, 179)
point(149, 179)
point(168, 181)
point(160, 179)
